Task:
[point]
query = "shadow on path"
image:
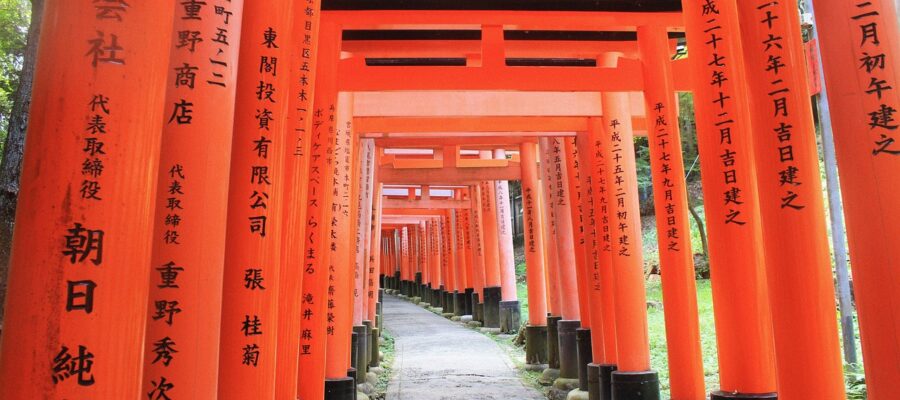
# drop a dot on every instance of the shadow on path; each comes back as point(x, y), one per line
point(436, 359)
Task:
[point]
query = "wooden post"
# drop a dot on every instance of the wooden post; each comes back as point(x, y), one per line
point(798, 263)
point(491, 232)
point(340, 280)
point(81, 247)
point(436, 278)
point(625, 231)
point(743, 318)
point(255, 202)
point(182, 355)
point(504, 235)
point(590, 183)
point(676, 257)
point(375, 253)
point(554, 307)
point(573, 181)
point(602, 200)
point(305, 31)
point(313, 304)
point(534, 241)
point(459, 247)
point(363, 229)
point(477, 242)
point(860, 47)
point(568, 282)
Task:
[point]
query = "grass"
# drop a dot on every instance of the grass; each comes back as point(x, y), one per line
point(854, 377)
point(386, 346)
point(657, 330)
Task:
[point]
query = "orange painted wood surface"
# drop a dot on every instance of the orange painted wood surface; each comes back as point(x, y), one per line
point(81, 247)
point(676, 258)
point(797, 257)
point(625, 230)
point(860, 44)
point(189, 238)
point(743, 318)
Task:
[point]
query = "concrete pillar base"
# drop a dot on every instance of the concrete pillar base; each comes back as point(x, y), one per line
point(642, 385)
point(604, 380)
point(375, 357)
point(553, 341)
point(470, 301)
point(495, 331)
point(536, 346)
point(459, 303)
point(492, 307)
point(340, 389)
point(585, 355)
point(720, 395)
point(437, 298)
point(474, 324)
point(593, 375)
point(379, 321)
point(417, 285)
point(360, 362)
point(354, 356)
point(478, 312)
point(568, 349)
point(510, 316)
point(380, 295)
point(448, 301)
point(369, 342)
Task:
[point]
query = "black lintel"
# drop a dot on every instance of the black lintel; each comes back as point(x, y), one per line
point(551, 62)
point(508, 5)
point(460, 34)
point(461, 62)
point(416, 62)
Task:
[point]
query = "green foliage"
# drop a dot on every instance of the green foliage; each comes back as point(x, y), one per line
point(856, 383)
point(688, 129)
point(15, 15)
point(656, 325)
point(386, 348)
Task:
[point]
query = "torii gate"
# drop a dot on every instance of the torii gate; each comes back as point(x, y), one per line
point(303, 183)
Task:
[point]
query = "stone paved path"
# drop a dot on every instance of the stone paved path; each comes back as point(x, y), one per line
point(437, 359)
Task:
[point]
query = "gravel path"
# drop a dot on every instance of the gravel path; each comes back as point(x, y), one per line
point(437, 359)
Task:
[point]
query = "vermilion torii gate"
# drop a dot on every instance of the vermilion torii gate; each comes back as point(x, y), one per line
point(223, 208)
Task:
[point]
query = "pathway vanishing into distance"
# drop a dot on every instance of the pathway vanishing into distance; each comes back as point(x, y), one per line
point(437, 359)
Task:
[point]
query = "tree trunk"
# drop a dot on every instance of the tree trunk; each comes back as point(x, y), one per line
point(700, 225)
point(11, 166)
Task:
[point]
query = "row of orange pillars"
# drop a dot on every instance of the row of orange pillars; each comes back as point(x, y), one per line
point(190, 229)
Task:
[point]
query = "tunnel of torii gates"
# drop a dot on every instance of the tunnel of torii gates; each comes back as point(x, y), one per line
point(214, 209)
